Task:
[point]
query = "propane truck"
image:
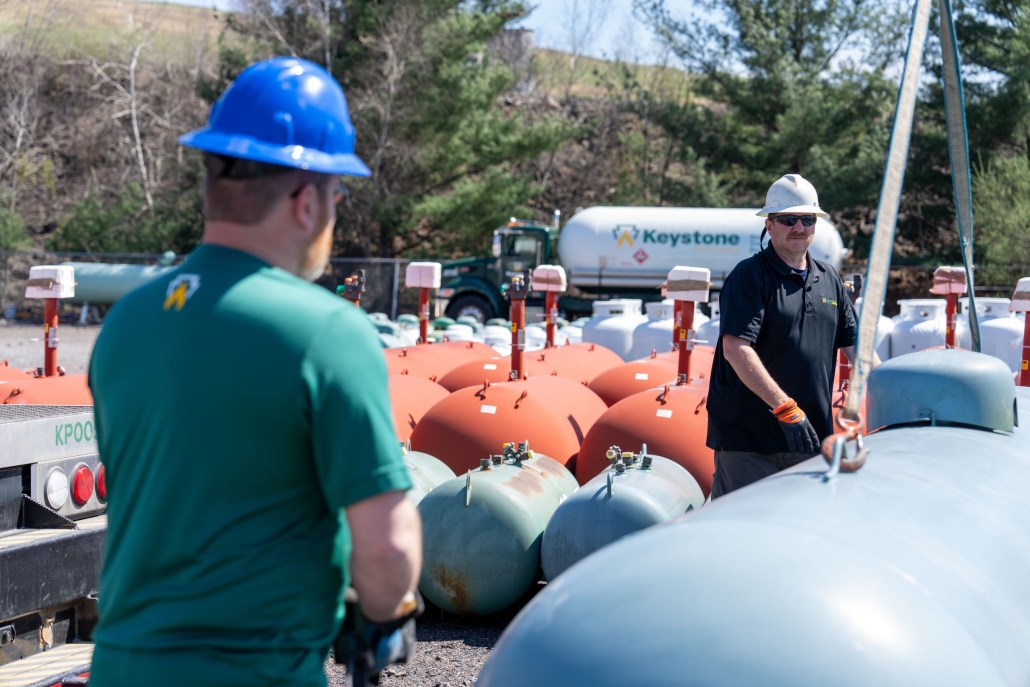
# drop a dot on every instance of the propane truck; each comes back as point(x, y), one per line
point(613, 252)
point(52, 526)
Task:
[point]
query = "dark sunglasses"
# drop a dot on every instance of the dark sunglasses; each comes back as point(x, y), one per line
point(791, 220)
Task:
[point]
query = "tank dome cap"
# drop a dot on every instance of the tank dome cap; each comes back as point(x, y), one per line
point(942, 387)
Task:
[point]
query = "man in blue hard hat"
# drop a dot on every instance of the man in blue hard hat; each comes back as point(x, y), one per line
point(783, 317)
point(244, 422)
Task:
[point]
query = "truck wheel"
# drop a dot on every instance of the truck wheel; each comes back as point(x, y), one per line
point(470, 306)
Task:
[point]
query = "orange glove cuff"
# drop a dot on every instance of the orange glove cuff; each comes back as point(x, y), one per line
point(789, 412)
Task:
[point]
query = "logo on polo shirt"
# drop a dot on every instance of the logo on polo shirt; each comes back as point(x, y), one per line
point(180, 289)
point(830, 301)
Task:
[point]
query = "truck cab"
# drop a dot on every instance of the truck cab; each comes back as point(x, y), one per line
point(474, 287)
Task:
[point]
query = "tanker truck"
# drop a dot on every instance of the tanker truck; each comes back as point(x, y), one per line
point(613, 252)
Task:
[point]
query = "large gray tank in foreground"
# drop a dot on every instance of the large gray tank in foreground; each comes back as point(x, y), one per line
point(911, 571)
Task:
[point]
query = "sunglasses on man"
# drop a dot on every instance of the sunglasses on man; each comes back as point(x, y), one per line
point(791, 220)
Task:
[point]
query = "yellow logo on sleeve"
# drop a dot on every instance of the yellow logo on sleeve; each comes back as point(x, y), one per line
point(180, 289)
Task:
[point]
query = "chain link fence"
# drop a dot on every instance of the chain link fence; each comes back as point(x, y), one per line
point(384, 279)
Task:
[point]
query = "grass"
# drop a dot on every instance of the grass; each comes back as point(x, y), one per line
point(68, 29)
point(594, 77)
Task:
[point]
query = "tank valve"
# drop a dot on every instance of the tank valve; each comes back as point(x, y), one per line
point(484, 463)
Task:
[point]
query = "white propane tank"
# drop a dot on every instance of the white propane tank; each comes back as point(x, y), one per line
point(460, 332)
point(536, 338)
point(884, 327)
point(613, 323)
point(572, 333)
point(656, 333)
point(499, 338)
point(633, 247)
point(707, 334)
point(919, 325)
point(1001, 331)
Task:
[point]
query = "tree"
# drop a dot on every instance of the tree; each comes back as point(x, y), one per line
point(1001, 199)
point(786, 85)
point(13, 236)
point(449, 158)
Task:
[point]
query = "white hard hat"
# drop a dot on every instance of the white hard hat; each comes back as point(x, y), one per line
point(791, 193)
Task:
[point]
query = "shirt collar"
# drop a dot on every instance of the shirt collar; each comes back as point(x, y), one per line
point(770, 254)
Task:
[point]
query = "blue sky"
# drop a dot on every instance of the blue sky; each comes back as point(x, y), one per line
point(620, 32)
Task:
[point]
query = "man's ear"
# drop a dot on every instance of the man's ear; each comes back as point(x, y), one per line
point(305, 207)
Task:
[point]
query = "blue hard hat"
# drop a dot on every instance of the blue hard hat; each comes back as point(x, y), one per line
point(284, 111)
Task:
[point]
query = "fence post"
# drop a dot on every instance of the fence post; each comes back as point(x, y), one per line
point(396, 286)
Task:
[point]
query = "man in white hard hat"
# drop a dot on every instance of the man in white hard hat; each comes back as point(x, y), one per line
point(783, 317)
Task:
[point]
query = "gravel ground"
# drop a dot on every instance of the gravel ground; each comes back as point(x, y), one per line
point(22, 345)
point(450, 652)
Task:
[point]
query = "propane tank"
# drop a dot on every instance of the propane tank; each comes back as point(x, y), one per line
point(426, 472)
point(613, 323)
point(8, 373)
point(879, 578)
point(636, 491)
point(657, 333)
point(64, 390)
point(459, 332)
point(708, 332)
point(920, 325)
point(1001, 332)
point(633, 377)
point(672, 420)
point(579, 362)
point(473, 422)
point(884, 327)
point(435, 360)
point(482, 533)
point(411, 397)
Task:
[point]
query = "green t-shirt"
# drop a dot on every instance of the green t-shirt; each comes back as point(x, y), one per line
point(239, 410)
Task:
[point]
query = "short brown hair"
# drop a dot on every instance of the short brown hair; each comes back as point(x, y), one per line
point(245, 192)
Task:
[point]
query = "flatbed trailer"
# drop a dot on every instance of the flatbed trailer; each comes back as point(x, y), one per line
point(52, 531)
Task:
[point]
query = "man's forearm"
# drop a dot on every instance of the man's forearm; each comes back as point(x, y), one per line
point(752, 372)
point(387, 554)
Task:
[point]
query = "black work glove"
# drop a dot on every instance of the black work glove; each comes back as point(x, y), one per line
point(367, 648)
point(800, 434)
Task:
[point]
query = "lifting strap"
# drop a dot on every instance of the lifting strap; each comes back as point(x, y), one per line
point(893, 179)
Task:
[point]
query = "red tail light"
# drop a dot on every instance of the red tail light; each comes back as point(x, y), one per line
point(102, 482)
point(82, 485)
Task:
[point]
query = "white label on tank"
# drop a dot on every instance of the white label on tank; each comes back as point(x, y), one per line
point(492, 410)
point(489, 366)
point(662, 412)
point(641, 376)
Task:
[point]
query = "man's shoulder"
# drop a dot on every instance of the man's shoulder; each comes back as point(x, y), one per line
point(749, 270)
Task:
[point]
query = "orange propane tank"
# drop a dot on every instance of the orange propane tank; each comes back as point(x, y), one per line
point(672, 421)
point(411, 397)
point(633, 377)
point(700, 360)
point(9, 373)
point(432, 361)
point(475, 422)
point(579, 362)
point(470, 349)
point(65, 390)
point(494, 370)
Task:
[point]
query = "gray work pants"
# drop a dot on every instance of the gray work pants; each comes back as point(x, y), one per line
point(736, 469)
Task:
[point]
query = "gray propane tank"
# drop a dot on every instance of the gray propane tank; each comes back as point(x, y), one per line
point(909, 571)
point(482, 531)
point(426, 472)
point(103, 283)
point(634, 493)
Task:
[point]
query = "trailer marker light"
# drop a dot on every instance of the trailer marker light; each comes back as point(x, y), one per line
point(57, 489)
point(82, 485)
point(102, 482)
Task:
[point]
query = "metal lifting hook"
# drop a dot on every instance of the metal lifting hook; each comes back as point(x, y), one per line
point(838, 460)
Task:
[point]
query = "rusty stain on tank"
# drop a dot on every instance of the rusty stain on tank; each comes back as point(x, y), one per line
point(526, 482)
point(456, 588)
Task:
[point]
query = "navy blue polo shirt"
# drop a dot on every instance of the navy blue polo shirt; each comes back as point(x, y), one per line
point(795, 324)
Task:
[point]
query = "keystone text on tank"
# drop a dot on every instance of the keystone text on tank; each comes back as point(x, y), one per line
point(663, 237)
